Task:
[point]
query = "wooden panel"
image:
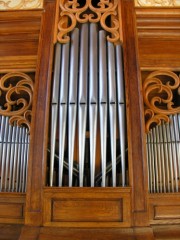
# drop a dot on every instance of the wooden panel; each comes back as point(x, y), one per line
point(164, 208)
point(10, 231)
point(163, 212)
point(19, 38)
point(158, 37)
point(84, 207)
point(79, 210)
point(11, 210)
point(12, 207)
point(171, 232)
point(86, 234)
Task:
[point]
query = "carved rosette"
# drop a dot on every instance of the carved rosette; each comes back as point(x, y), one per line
point(159, 90)
point(72, 13)
point(16, 91)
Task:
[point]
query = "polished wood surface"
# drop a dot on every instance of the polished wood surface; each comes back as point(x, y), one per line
point(158, 38)
point(19, 39)
point(151, 41)
point(15, 232)
point(137, 163)
point(38, 146)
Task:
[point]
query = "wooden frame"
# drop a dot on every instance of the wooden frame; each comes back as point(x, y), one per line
point(132, 207)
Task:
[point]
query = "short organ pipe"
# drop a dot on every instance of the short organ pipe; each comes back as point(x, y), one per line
point(14, 149)
point(163, 144)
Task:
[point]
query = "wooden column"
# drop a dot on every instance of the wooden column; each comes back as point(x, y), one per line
point(38, 143)
point(137, 161)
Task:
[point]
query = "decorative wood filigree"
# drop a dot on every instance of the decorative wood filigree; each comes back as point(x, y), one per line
point(20, 4)
point(16, 91)
point(159, 89)
point(157, 3)
point(72, 13)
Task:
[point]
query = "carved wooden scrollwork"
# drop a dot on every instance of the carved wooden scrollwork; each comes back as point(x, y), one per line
point(16, 91)
point(73, 13)
point(159, 89)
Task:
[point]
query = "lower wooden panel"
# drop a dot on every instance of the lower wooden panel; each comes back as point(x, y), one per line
point(164, 208)
point(12, 207)
point(10, 231)
point(87, 210)
point(87, 207)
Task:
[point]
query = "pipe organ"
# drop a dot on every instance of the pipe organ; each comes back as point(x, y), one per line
point(14, 148)
point(88, 73)
point(90, 121)
point(163, 156)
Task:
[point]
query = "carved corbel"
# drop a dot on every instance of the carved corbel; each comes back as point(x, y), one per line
point(159, 90)
point(16, 91)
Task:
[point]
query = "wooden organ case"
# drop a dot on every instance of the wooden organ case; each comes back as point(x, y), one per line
point(90, 121)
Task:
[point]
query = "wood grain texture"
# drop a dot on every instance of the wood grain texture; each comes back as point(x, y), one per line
point(87, 207)
point(137, 163)
point(86, 210)
point(164, 208)
point(12, 208)
point(36, 171)
point(158, 38)
point(19, 38)
point(10, 231)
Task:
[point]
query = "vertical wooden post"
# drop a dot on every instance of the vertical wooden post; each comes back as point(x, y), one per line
point(137, 161)
point(38, 141)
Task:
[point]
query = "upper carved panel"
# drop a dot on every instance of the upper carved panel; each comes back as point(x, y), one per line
point(16, 92)
point(72, 12)
point(157, 3)
point(20, 4)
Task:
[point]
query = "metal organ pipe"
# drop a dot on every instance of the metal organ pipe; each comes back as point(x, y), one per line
point(72, 101)
point(14, 148)
point(163, 146)
point(121, 109)
point(93, 97)
point(91, 72)
point(112, 107)
point(63, 102)
point(54, 109)
point(103, 101)
point(82, 100)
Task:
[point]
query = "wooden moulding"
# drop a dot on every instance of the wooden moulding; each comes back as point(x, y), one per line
point(19, 38)
point(12, 207)
point(87, 207)
point(158, 38)
point(164, 208)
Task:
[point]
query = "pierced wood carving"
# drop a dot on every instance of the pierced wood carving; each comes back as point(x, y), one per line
point(20, 4)
point(16, 91)
point(157, 3)
point(71, 13)
point(159, 90)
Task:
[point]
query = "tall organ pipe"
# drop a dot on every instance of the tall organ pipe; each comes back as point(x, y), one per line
point(103, 101)
point(73, 78)
point(112, 107)
point(63, 101)
point(54, 108)
point(93, 97)
point(82, 100)
point(121, 109)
